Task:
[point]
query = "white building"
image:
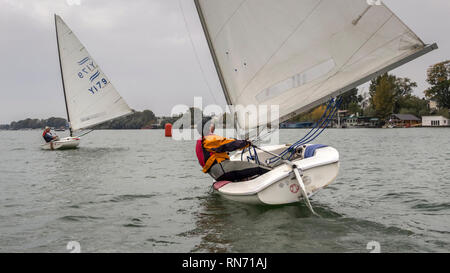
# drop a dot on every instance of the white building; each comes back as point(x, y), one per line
point(435, 121)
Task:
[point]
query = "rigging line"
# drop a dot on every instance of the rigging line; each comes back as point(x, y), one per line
point(85, 133)
point(349, 59)
point(315, 128)
point(262, 137)
point(325, 115)
point(333, 107)
point(196, 53)
point(319, 122)
point(282, 44)
point(292, 149)
point(324, 125)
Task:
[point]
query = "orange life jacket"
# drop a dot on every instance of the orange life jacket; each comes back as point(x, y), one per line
point(211, 142)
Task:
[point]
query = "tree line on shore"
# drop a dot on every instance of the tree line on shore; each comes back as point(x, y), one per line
point(137, 120)
point(29, 123)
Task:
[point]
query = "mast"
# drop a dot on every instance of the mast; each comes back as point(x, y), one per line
point(62, 78)
point(213, 52)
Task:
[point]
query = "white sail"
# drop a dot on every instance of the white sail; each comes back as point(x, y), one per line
point(299, 53)
point(91, 99)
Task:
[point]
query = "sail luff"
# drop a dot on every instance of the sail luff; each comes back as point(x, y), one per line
point(213, 53)
point(62, 77)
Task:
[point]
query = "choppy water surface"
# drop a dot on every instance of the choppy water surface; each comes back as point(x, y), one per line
point(136, 191)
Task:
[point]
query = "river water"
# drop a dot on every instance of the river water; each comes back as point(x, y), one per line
point(137, 191)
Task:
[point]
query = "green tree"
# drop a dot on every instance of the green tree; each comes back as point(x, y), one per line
point(411, 104)
point(383, 97)
point(443, 112)
point(439, 79)
point(376, 82)
point(402, 87)
point(354, 108)
point(137, 120)
point(349, 97)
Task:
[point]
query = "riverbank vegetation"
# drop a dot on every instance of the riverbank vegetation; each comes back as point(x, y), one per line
point(137, 120)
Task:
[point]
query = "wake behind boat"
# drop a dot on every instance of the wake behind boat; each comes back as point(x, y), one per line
point(89, 95)
point(297, 55)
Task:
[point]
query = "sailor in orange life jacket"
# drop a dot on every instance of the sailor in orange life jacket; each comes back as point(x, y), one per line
point(212, 153)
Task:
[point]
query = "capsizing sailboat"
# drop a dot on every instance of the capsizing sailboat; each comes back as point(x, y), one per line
point(298, 55)
point(89, 95)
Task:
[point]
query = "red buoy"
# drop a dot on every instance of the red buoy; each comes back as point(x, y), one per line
point(168, 129)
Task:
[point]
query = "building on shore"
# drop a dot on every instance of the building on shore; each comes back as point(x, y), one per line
point(404, 121)
point(435, 121)
point(354, 121)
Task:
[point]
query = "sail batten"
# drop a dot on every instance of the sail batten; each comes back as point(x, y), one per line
point(296, 53)
point(90, 97)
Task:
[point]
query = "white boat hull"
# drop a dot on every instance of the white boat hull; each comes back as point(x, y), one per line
point(280, 185)
point(62, 144)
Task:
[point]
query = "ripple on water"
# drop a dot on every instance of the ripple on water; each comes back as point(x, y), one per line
point(17, 149)
point(135, 223)
point(78, 218)
point(154, 241)
point(432, 206)
point(131, 197)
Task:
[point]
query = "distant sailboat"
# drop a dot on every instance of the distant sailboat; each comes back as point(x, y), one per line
point(90, 97)
point(298, 55)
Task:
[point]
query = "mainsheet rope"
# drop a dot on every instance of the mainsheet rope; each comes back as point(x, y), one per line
point(318, 128)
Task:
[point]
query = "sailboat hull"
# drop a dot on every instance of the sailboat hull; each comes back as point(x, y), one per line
point(62, 144)
point(280, 185)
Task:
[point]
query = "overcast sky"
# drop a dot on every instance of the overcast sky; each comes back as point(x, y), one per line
point(144, 47)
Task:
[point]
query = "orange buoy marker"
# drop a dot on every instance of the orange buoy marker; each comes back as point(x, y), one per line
point(168, 129)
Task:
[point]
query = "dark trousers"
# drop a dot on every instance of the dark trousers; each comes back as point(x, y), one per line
point(236, 171)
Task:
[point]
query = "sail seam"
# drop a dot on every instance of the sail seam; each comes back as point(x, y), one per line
point(228, 20)
point(405, 25)
point(390, 41)
point(400, 60)
point(279, 48)
point(350, 58)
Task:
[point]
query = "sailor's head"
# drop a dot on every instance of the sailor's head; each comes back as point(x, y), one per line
point(206, 127)
point(47, 129)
